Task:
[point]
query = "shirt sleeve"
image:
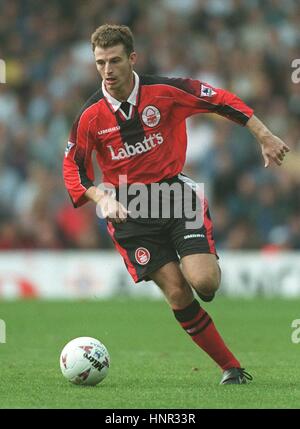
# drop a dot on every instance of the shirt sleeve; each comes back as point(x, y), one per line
point(194, 96)
point(78, 170)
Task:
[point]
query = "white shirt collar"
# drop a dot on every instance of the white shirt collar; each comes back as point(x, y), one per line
point(132, 99)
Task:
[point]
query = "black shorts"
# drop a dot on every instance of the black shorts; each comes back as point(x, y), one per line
point(146, 244)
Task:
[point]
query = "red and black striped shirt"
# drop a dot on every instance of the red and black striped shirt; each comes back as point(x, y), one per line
point(147, 143)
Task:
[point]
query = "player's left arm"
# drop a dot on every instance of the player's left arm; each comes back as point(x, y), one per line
point(196, 96)
point(272, 147)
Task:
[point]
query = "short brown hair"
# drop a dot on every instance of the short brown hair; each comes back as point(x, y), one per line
point(109, 35)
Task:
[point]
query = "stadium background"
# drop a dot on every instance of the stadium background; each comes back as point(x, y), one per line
point(50, 250)
point(50, 73)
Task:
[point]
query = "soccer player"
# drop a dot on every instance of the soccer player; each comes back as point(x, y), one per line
point(136, 126)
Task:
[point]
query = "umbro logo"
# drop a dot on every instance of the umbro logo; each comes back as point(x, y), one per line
point(186, 237)
point(108, 130)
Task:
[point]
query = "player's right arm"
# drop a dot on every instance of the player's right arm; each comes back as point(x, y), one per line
point(78, 169)
point(77, 165)
point(111, 209)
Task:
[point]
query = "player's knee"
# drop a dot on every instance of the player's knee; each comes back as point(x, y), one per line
point(206, 285)
point(179, 294)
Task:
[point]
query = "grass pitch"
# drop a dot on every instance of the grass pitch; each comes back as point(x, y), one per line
point(154, 364)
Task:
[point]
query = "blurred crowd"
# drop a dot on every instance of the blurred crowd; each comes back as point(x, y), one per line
point(245, 46)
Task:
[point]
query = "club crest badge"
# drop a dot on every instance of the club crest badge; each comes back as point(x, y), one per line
point(142, 256)
point(151, 116)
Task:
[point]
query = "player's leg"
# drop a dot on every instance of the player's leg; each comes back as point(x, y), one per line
point(194, 319)
point(150, 256)
point(203, 273)
point(173, 285)
point(200, 268)
point(196, 248)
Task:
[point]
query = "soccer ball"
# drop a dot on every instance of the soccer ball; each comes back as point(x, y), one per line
point(84, 360)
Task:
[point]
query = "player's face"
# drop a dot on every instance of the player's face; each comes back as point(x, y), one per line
point(115, 68)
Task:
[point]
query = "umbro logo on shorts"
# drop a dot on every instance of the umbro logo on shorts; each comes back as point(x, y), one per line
point(194, 236)
point(142, 256)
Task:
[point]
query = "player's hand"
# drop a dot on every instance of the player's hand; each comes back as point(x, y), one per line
point(112, 209)
point(273, 148)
